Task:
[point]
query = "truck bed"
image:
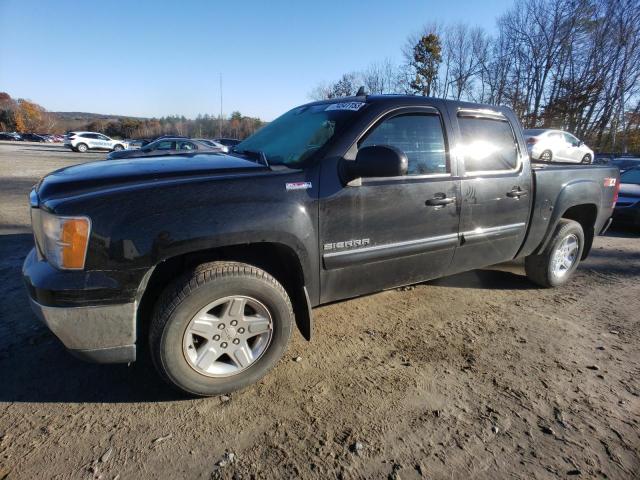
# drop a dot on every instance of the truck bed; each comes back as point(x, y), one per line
point(554, 185)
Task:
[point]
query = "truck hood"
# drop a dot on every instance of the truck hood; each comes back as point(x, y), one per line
point(100, 175)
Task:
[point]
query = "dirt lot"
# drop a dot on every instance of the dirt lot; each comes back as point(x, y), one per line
point(481, 375)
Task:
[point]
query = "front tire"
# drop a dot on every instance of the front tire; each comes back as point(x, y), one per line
point(117, 148)
point(82, 148)
point(220, 328)
point(560, 259)
point(586, 159)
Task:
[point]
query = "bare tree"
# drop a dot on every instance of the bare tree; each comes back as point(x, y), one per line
point(465, 52)
point(570, 64)
point(380, 77)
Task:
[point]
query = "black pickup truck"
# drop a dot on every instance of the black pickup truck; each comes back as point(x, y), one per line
point(211, 259)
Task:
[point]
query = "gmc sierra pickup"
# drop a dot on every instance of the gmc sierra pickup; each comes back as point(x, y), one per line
point(210, 259)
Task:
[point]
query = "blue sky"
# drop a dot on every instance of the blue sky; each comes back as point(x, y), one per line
point(147, 58)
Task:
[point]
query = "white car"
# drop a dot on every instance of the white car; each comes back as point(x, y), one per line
point(556, 146)
point(84, 141)
point(214, 144)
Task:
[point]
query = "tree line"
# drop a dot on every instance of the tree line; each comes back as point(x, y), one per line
point(20, 115)
point(203, 126)
point(567, 64)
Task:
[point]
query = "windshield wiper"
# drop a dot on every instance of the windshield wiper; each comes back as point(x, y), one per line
point(258, 154)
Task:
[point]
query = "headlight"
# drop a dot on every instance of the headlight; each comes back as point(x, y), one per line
point(65, 240)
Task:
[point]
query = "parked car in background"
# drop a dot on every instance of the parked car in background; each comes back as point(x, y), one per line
point(137, 143)
point(13, 137)
point(33, 137)
point(166, 146)
point(627, 209)
point(214, 144)
point(84, 141)
point(556, 146)
point(167, 136)
point(57, 138)
point(625, 163)
point(602, 159)
point(227, 142)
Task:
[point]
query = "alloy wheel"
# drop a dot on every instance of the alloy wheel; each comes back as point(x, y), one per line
point(565, 255)
point(227, 336)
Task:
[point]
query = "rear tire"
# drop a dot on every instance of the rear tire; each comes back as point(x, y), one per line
point(560, 259)
point(546, 156)
point(209, 357)
point(82, 148)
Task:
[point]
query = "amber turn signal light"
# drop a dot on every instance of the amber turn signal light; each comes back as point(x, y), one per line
point(64, 240)
point(75, 235)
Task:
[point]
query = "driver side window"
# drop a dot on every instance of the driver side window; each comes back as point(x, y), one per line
point(419, 136)
point(571, 140)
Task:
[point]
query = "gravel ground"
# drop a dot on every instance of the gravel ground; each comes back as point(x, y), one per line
point(480, 375)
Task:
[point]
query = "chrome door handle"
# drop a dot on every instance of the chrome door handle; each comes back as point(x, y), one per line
point(517, 192)
point(440, 201)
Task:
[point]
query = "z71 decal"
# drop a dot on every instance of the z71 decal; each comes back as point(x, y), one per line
point(609, 182)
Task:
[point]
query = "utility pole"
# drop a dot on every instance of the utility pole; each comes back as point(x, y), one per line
point(220, 123)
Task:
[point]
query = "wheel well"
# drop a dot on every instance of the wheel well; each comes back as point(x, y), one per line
point(586, 216)
point(277, 259)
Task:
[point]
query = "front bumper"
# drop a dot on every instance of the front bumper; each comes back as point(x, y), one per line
point(104, 334)
point(98, 333)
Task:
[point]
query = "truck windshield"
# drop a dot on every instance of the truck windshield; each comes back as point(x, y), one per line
point(293, 137)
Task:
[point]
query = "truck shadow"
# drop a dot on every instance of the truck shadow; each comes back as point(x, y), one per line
point(499, 277)
point(34, 365)
point(620, 231)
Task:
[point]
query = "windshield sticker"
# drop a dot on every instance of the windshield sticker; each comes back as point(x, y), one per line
point(346, 106)
point(298, 185)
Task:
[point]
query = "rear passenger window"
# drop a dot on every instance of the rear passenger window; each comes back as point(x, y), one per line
point(487, 144)
point(166, 145)
point(419, 136)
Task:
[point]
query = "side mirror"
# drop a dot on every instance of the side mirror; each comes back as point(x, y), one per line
point(380, 161)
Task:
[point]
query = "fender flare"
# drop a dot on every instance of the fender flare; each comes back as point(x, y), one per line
point(575, 193)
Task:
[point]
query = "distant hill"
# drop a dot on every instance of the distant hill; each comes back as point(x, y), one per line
point(86, 116)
